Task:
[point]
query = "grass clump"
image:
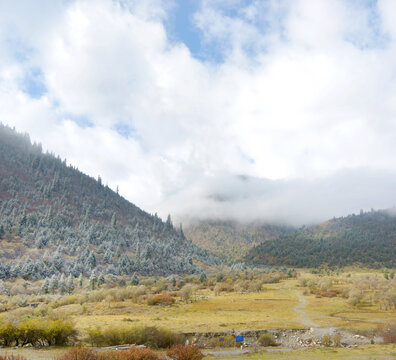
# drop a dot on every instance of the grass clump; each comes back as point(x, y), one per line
point(267, 339)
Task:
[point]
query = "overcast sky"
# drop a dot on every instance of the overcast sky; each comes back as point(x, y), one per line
point(251, 109)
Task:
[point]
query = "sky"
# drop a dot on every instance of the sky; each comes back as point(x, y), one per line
point(271, 110)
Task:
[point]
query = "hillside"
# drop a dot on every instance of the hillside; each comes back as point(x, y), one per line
point(55, 219)
point(231, 240)
point(368, 239)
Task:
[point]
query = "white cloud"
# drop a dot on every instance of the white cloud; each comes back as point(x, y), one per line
point(304, 90)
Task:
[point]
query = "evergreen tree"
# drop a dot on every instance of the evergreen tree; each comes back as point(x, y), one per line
point(101, 280)
point(203, 277)
point(93, 280)
point(168, 223)
point(80, 280)
point(70, 284)
point(134, 279)
point(53, 284)
point(62, 284)
point(91, 261)
point(113, 221)
point(1, 231)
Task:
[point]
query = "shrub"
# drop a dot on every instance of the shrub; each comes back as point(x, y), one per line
point(149, 336)
point(388, 332)
point(337, 340)
point(79, 353)
point(228, 341)
point(160, 299)
point(267, 339)
point(37, 332)
point(131, 354)
point(181, 352)
point(326, 340)
point(186, 292)
point(95, 337)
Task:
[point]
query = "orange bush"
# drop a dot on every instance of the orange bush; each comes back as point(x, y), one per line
point(181, 352)
point(160, 299)
point(130, 354)
point(79, 353)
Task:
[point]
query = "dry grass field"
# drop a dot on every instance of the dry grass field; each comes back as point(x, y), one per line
point(302, 301)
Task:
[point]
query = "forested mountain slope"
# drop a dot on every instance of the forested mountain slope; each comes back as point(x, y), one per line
point(231, 240)
point(55, 219)
point(368, 239)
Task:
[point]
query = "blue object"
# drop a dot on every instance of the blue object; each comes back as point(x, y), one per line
point(238, 339)
point(221, 339)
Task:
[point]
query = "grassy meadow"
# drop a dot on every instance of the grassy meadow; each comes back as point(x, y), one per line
point(362, 302)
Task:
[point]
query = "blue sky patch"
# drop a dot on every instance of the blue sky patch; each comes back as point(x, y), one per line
point(33, 83)
point(124, 130)
point(81, 120)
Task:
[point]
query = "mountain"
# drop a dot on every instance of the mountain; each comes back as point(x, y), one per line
point(54, 219)
point(231, 240)
point(368, 239)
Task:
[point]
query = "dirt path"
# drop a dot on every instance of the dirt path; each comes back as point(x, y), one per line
point(299, 309)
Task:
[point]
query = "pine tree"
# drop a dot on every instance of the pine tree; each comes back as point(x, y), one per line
point(91, 261)
point(168, 223)
point(70, 284)
point(101, 280)
point(53, 284)
point(80, 280)
point(62, 284)
point(181, 233)
point(93, 280)
point(203, 277)
point(134, 279)
point(114, 221)
point(1, 231)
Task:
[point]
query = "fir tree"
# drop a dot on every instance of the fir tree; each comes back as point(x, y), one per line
point(70, 284)
point(93, 280)
point(53, 284)
point(80, 280)
point(101, 280)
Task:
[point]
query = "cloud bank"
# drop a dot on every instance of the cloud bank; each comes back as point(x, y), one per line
point(298, 97)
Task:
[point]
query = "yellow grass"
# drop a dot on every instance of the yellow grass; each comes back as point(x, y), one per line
point(267, 309)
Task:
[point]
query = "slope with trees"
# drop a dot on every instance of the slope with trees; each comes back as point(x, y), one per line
point(368, 238)
point(56, 220)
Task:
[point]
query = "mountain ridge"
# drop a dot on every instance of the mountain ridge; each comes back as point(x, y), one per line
point(47, 205)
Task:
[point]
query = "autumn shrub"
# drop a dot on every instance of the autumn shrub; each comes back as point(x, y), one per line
point(160, 299)
point(133, 353)
point(182, 352)
point(267, 339)
point(80, 353)
point(388, 332)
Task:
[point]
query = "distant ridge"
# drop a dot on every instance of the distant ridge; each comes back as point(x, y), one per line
point(231, 240)
point(367, 239)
